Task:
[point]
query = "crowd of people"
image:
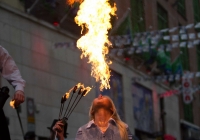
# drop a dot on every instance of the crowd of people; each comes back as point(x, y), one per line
point(104, 123)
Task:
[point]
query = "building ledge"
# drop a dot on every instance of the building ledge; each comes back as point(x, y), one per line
point(36, 20)
point(189, 124)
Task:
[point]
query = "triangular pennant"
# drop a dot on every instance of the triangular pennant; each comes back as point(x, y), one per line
point(167, 37)
point(161, 48)
point(197, 74)
point(190, 44)
point(139, 50)
point(183, 44)
point(192, 36)
point(158, 78)
point(191, 75)
point(145, 49)
point(169, 47)
point(175, 37)
point(153, 47)
point(196, 42)
point(173, 29)
point(136, 41)
point(131, 51)
point(184, 36)
point(171, 78)
point(198, 35)
point(164, 30)
point(189, 26)
point(197, 25)
point(182, 30)
point(120, 52)
point(177, 77)
point(175, 45)
point(164, 78)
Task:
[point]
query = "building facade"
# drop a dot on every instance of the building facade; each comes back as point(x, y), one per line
point(50, 72)
point(148, 16)
point(180, 13)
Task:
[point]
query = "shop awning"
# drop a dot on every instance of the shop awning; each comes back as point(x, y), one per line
point(188, 124)
point(192, 131)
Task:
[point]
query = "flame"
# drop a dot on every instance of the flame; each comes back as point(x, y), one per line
point(88, 90)
point(12, 103)
point(67, 95)
point(95, 15)
point(79, 86)
point(70, 2)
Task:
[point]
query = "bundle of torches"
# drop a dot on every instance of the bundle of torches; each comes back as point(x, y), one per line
point(82, 91)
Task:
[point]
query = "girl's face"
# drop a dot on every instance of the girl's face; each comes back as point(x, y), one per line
point(101, 102)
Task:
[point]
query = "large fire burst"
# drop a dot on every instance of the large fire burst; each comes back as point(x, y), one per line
point(95, 16)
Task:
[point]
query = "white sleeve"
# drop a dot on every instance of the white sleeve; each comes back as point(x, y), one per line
point(10, 70)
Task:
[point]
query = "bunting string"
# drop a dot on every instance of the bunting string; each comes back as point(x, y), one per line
point(170, 78)
point(145, 41)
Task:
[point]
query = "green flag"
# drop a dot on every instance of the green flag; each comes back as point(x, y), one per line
point(164, 62)
point(177, 66)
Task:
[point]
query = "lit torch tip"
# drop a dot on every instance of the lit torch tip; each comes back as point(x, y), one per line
point(67, 95)
point(12, 103)
point(75, 88)
point(85, 92)
point(64, 97)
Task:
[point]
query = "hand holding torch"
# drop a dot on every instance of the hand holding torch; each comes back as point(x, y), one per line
point(81, 92)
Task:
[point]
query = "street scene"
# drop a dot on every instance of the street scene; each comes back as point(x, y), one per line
point(100, 69)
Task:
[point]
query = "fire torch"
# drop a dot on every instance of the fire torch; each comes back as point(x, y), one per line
point(76, 97)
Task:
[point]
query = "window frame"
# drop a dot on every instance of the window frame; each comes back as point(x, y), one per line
point(162, 17)
point(138, 15)
point(181, 8)
point(196, 11)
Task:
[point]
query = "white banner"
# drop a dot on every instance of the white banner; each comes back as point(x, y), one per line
point(187, 91)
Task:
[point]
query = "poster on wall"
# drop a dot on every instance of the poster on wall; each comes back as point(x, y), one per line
point(30, 114)
point(142, 108)
point(115, 92)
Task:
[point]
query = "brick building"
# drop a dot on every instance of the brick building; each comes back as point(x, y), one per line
point(154, 15)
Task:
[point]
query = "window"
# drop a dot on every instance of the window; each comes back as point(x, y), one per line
point(137, 7)
point(162, 110)
point(188, 112)
point(181, 7)
point(162, 17)
point(125, 27)
point(185, 58)
point(196, 8)
point(198, 56)
point(196, 5)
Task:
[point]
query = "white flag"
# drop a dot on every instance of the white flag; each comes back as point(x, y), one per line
point(197, 25)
